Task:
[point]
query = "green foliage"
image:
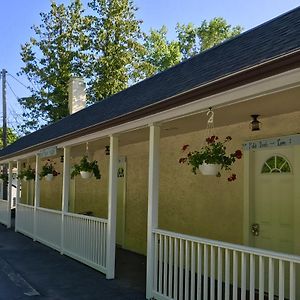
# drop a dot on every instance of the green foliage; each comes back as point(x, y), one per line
point(4, 177)
point(105, 45)
point(51, 57)
point(214, 152)
point(28, 174)
point(86, 166)
point(160, 54)
point(11, 136)
point(114, 47)
point(193, 40)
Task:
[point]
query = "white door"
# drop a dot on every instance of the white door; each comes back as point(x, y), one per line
point(273, 200)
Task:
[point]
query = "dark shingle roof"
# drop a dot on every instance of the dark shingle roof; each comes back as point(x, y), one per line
point(267, 41)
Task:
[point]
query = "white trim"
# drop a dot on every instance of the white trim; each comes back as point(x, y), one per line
point(266, 86)
point(65, 193)
point(9, 194)
point(37, 189)
point(112, 207)
point(153, 195)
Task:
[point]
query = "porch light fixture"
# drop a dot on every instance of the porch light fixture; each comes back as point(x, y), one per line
point(255, 124)
point(107, 150)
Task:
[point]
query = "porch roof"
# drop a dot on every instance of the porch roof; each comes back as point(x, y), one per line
point(268, 49)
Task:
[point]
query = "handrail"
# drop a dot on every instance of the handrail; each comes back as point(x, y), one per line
point(230, 246)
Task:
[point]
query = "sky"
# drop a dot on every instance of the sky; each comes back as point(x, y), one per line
point(17, 17)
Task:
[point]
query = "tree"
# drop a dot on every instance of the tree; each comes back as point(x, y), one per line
point(160, 54)
point(56, 53)
point(193, 40)
point(11, 136)
point(107, 48)
point(114, 44)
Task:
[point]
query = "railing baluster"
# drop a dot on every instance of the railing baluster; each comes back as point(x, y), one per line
point(165, 265)
point(160, 271)
point(220, 274)
point(235, 275)
point(243, 275)
point(175, 290)
point(212, 272)
point(199, 272)
point(292, 281)
point(181, 269)
point(281, 280)
point(252, 277)
point(170, 267)
point(187, 271)
point(261, 278)
point(192, 270)
point(205, 273)
point(227, 274)
point(155, 261)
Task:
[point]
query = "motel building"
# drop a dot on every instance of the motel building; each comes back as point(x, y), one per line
point(204, 237)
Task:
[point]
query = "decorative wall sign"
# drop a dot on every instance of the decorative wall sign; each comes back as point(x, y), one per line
point(120, 172)
point(283, 141)
point(48, 152)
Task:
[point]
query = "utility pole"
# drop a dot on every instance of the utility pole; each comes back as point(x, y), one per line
point(4, 127)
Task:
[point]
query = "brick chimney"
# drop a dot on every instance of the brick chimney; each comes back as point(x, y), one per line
point(77, 95)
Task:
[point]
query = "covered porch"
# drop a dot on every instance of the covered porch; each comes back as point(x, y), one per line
point(194, 230)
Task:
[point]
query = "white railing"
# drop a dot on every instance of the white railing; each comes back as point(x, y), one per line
point(79, 236)
point(4, 212)
point(25, 219)
point(186, 267)
point(85, 239)
point(48, 227)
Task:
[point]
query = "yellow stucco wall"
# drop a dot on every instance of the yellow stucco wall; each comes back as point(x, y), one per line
point(51, 191)
point(192, 204)
point(90, 195)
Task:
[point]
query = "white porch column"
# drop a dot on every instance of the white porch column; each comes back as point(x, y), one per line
point(9, 194)
point(112, 207)
point(65, 192)
point(2, 184)
point(36, 193)
point(153, 194)
point(17, 195)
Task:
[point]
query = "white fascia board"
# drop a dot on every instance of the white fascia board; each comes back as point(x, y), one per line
point(266, 86)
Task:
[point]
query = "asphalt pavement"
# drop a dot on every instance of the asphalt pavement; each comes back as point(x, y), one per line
point(30, 270)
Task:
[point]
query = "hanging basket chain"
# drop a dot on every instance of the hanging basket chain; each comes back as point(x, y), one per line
point(210, 126)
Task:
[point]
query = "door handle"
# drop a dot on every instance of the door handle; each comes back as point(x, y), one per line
point(255, 229)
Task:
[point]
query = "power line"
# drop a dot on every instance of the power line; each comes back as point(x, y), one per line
point(34, 87)
point(18, 81)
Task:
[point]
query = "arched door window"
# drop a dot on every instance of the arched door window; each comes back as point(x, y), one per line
point(276, 164)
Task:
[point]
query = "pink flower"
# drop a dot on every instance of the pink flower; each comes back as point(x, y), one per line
point(184, 147)
point(238, 154)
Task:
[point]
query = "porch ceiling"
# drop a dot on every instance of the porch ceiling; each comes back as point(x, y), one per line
point(266, 106)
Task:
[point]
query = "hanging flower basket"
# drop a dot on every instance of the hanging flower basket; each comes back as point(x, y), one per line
point(209, 169)
point(85, 174)
point(48, 171)
point(212, 157)
point(86, 169)
point(27, 174)
point(49, 177)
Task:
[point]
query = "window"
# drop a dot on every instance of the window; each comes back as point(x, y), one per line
point(276, 164)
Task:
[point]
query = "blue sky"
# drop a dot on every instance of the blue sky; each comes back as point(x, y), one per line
point(17, 16)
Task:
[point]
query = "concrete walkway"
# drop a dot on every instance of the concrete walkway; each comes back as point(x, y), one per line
point(30, 270)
